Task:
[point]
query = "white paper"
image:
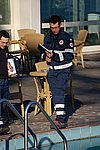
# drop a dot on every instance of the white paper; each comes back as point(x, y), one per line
point(44, 48)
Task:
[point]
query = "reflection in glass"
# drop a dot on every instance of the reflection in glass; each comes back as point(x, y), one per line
point(5, 12)
point(74, 11)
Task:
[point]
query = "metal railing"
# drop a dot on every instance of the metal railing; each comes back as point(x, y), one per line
point(21, 119)
point(66, 24)
point(49, 119)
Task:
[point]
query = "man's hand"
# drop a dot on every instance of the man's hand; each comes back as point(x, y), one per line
point(48, 56)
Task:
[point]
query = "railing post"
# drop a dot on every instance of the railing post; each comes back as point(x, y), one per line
point(21, 119)
point(26, 128)
point(49, 119)
point(65, 25)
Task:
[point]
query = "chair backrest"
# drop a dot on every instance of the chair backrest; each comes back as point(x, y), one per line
point(32, 41)
point(21, 43)
point(82, 35)
point(22, 32)
point(41, 66)
point(81, 40)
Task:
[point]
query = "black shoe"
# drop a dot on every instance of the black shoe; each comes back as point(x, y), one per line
point(4, 129)
point(59, 124)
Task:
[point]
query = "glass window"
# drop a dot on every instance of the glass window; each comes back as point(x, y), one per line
point(79, 14)
point(69, 10)
point(5, 12)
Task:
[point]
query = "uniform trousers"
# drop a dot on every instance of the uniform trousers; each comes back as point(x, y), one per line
point(58, 82)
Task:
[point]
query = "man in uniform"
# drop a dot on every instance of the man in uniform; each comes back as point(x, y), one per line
point(61, 45)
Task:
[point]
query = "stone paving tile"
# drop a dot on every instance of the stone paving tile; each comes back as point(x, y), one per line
point(86, 89)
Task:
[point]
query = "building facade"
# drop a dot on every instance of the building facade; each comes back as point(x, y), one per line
point(75, 14)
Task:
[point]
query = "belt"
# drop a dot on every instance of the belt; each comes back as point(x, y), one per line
point(61, 66)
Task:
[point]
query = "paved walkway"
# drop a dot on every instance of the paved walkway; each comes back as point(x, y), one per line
point(86, 88)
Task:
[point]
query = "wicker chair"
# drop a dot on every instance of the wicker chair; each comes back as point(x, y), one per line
point(79, 43)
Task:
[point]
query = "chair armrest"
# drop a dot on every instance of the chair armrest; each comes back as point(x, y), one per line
point(38, 74)
point(23, 46)
point(78, 43)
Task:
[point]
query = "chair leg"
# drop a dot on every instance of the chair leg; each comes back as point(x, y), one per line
point(21, 99)
point(82, 60)
point(36, 107)
point(47, 103)
point(22, 109)
point(38, 97)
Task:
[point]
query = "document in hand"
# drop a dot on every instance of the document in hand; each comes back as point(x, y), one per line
point(43, 48)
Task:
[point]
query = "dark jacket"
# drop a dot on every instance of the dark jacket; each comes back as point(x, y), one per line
point(3, 63)
point(62, 47)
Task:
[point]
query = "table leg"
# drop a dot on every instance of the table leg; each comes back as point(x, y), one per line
point(47, 106)
point(38, 97)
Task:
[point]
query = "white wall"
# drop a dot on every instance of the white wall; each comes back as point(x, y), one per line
point(25, 14)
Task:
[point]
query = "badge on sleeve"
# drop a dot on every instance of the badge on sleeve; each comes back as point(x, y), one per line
point(61, 42)
point(71, 45)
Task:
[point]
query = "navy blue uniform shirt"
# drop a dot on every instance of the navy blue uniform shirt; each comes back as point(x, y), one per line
point(62, 46)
